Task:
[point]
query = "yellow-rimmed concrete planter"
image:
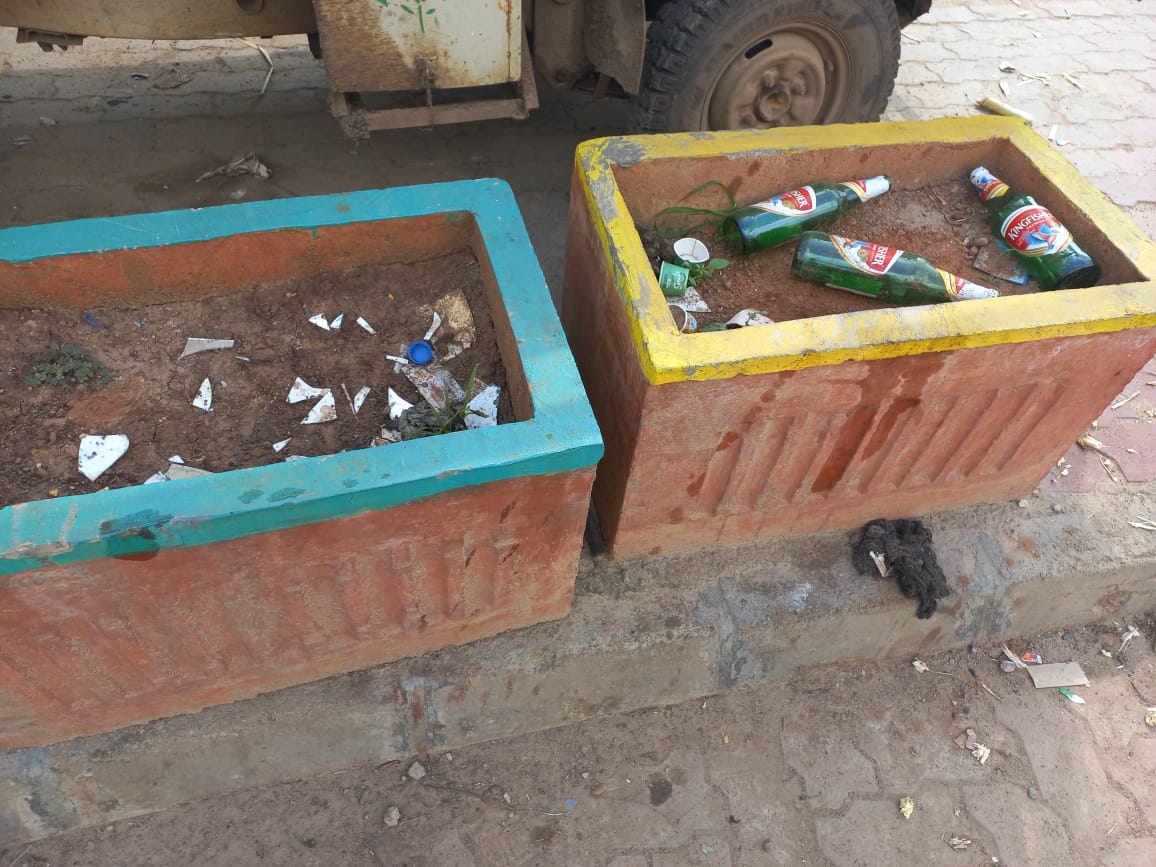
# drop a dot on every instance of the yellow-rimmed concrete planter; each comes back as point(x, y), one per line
point(824, 423)
point(126, 605)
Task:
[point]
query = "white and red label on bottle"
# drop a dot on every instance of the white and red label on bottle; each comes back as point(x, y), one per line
point(1034, 231)
point(869, 188)
point(864, 256)
point(959, 289)
point(796, 203)
point(986, 184)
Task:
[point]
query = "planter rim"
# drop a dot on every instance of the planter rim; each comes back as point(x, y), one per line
point(668, 356)
point(562, 434)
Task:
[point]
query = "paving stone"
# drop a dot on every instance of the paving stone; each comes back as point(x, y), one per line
point(1126, 189)
point(947, 12)
point(1072, 779)
point(894, 840)
point(705, 852)
point(629, 861)
point(1029, 832)
point(932, 52)
point(836, 769)
point(999, 11)
point(1120, 39)
point(1109, 61)
point(1131, 853)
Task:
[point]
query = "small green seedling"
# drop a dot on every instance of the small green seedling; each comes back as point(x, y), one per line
point(69, 366)
point(702, 270)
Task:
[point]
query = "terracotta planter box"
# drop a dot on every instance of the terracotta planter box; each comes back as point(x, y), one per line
point(828, 422)
point(136, 603)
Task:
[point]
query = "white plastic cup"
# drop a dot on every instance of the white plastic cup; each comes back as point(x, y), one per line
point(684, 320)
point(692, 251)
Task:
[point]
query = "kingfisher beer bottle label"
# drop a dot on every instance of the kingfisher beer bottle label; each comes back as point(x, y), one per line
point(869, 258)
point(796, 203)
point(1033, 231)
point(987, 185)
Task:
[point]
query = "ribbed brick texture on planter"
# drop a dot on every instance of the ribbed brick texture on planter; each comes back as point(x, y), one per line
point(132, 638)
point(127, 605)
point(825, 423)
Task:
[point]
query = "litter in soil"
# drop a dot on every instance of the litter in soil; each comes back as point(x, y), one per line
point(98, 453)
point(1055, 674)
point(944, 222)
point(126, 378)
point(242, 164)
point(194, 345)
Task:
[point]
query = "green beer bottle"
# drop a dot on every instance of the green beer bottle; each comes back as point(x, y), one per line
point(785, 217)
point(1043, 244)
point(880, 272)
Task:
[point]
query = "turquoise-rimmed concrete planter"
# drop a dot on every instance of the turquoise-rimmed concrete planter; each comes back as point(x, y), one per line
point(131, 604)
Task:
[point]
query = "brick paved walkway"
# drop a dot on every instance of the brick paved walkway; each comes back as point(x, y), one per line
point(1099, 61)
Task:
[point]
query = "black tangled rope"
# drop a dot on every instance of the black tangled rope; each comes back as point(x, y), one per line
point(907, 553)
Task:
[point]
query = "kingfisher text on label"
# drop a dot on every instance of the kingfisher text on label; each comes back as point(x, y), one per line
point(1034, 231)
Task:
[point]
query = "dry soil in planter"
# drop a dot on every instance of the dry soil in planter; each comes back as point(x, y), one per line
point(939, 222)
point(150, 399)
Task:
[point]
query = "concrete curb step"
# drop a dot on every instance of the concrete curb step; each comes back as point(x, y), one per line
point(643, 632)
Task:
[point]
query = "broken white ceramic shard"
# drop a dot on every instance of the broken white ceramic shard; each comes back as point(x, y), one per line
point(180, 471)
point(176, 459)
point(434, 326)
point(98, 453)
point(158, 476)
point(397, 404)
point(324, 410)
point(387, 436)
point(193, 345)
point(436, 385)
point(280, 445)
point(301, 390)
point(483, 409)
point(204, 398)
point(361, 321)
point(297, 457)
point(457, 320)
point(335, 323)
point(320, 321)
point(693, 301)
point(359, 399)
point(400, 361)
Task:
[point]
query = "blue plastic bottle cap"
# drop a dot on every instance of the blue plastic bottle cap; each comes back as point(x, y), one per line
point(420, 352)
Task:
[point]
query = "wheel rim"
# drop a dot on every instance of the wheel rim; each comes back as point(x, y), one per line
point(789, 77)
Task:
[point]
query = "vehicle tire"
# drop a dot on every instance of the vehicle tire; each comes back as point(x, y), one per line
point(737, 64)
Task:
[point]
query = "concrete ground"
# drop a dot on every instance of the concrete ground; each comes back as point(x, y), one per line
point(787, 765)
